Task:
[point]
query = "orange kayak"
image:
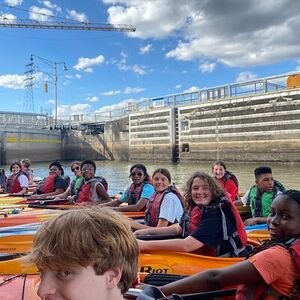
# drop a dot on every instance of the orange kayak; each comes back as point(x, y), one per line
point(16, 243)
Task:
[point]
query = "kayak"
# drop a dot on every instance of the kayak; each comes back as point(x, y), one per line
point(258, 232)
point(16, 244)
point(167, 262)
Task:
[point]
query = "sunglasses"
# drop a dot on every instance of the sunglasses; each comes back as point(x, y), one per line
point(76, 168)
point(136, 174)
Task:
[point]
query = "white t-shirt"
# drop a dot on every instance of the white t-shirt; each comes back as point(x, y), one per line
point(171, 208)
point(23, 181)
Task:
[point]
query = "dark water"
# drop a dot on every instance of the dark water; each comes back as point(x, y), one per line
point(117, 173)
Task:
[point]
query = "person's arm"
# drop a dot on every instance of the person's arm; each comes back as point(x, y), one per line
point(254, 221)
point(102, 193)
point(173, 229)
point(139, 206)
point(64, 195)
point(243, 200)
point(188, 244)
point(240, 273)
point(112, 203)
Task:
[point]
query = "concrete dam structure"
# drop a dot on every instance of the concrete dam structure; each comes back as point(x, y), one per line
point(227, 122)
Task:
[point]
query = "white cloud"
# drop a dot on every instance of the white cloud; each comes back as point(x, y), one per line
point(111, 93)
point(77, 109)
point(207, 67)
point(148, 48)
point(14, 81)
point(133, 90)
point(245, 76)
point(51, 101)
point(141, 70)
point(8, 17)
point(233, 33)
point(13, 2)
point(92, 99)
point(73, 14)
point(85, 63)
point(39, 14)
point(78, 76)
point(191, 89)
point(88, 70)
point(178, 86)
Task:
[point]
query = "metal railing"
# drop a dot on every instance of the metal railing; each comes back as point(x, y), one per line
point(239, 89)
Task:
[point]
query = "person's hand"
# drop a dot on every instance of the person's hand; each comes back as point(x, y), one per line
point(141, 232)
point(250, 222)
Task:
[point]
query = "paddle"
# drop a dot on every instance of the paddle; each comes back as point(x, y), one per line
point(149, 237)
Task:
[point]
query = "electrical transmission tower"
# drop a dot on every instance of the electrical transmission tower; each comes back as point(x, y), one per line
point(28, 104)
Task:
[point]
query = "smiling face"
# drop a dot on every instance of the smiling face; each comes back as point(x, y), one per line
point(160, 182)
point(76, 170)
point(284, 218)
point(200, 192)
point(137, 176)
point(218, 171)
point(54, 170)
point(15, 169)
point(77, 284)
point(88, 171)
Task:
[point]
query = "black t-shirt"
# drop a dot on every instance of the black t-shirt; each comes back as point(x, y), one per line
point(60, 183)
point(210, 229)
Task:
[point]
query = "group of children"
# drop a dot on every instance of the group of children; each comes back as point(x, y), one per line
point(204, 221)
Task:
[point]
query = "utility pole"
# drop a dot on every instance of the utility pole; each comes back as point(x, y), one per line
point(52, 64)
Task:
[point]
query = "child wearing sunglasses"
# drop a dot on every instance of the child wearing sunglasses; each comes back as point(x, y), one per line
point(75, 183)
point(137, 194)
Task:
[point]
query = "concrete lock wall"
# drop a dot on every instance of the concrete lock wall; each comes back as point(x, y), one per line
point(37, 145)
point(111, 145)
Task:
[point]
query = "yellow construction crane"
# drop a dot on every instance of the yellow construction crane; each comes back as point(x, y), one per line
point(10, 23)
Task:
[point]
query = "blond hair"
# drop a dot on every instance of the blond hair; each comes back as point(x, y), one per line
point(97, 237)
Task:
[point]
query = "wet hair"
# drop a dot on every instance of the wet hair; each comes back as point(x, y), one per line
point(262, 170)
point(293, 195)
point(219, 163)
point(143, 168)
point(58, 165)
point(75, 162)
point(164, 172)
point(14, 164)
point(26, 162)
point(216, 191)
point(97, 237)
point(88, 162)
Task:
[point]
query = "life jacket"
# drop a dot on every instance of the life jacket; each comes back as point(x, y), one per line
point(293, 245)
point(229, 175)
point(153, 205)
point(134, 193)
point(260, 203)
point(13, 184)
point(73, 185)
point(237, 239)
point(47, 186)
point(87, 190)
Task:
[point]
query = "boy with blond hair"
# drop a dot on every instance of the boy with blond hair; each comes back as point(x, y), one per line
point(87, 253)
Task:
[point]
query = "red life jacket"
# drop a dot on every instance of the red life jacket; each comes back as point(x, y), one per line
point(87, 192)
point(13, 184)
point(48, 186)
point(153, 206)
point(134, 193)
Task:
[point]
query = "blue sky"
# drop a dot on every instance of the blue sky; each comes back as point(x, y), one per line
point(179, 45)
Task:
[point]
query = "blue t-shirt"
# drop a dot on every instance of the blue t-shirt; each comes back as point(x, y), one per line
point(147, 192)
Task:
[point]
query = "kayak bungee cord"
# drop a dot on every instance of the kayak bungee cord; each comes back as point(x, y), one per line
point(11, 278)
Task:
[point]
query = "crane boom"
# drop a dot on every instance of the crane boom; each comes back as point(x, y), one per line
point(9, 23)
